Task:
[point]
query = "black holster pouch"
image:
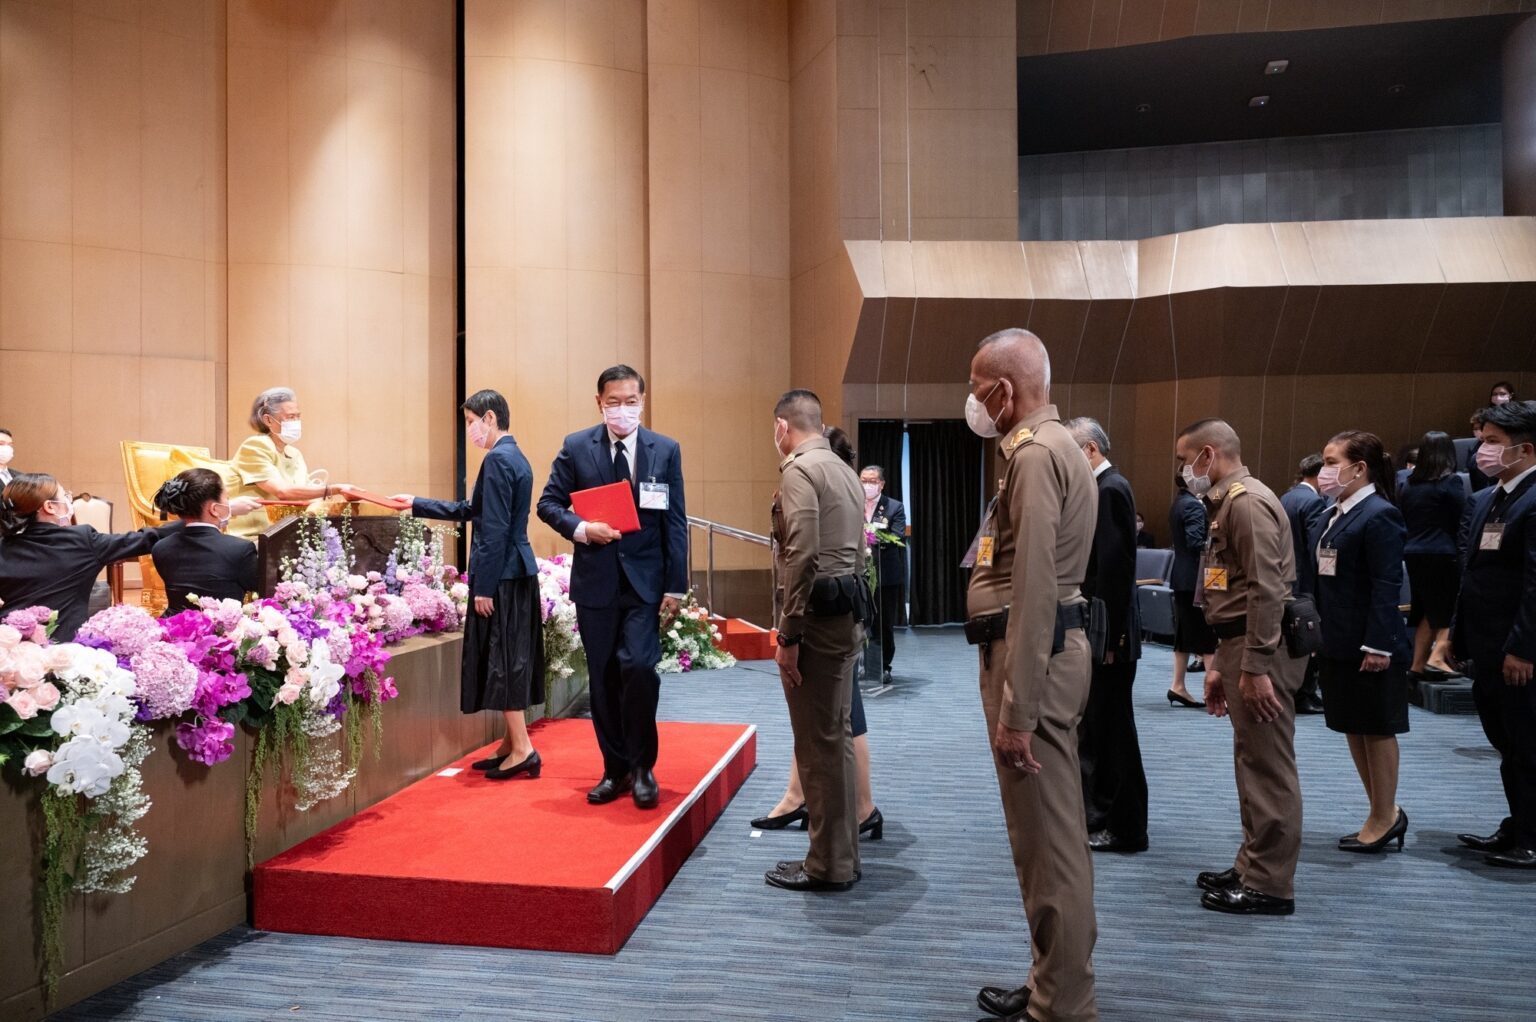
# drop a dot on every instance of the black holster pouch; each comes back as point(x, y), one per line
point(983, 631)
point(847, 594)
point(1091, 617)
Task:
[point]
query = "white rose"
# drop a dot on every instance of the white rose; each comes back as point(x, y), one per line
point(37, 762)
point(297, 652)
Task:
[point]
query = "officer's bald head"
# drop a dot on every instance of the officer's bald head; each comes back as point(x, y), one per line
point(1216, 434)
point(1018, 356)
point(801, 409)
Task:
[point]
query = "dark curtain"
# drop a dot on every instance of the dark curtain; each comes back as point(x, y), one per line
point(880, 444)
point(946, 463)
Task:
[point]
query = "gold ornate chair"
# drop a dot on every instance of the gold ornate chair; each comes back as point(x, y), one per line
point(146, 467)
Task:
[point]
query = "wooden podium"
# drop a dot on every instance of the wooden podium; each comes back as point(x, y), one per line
point(373, 539)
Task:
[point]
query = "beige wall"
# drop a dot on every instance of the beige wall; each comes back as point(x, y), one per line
point(341, 231)
point(718, 101)
point(555, 125)
point(112, 242)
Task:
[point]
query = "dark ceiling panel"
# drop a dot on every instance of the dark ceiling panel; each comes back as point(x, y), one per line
point(1339, 80)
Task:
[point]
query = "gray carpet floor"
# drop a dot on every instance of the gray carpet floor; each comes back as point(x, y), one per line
point(1430, 934)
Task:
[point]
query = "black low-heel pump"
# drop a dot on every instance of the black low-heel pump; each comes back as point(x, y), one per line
point(1398, 833)
point(788, 819)
point(532, 766)
point(1174, 699)
point(873, 825)
point(490, 762)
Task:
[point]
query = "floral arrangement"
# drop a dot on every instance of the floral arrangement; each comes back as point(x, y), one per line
point(877, 537)
point(563, 652)
point(692, 642)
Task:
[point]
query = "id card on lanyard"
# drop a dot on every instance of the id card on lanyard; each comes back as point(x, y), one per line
point(1327, 562)
point(983, 550)
point(1492, 537)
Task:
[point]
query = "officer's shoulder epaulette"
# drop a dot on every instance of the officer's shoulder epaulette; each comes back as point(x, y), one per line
point(1025, 435)
point(1237, 490)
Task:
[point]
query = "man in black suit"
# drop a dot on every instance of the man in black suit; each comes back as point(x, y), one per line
point(1304, 505)
point(1495, 623)
point(7, 452)
point(1114, 782)
point(623, 585)
point(887, 514)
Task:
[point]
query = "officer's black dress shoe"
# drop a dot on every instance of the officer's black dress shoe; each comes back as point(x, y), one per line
point(1498, 841)
point(1104, 841)
point(609, 789)
point(1513, 858)
point(646, 792)
point(1214, 881)
point(1003, 1003)
point(791, 876)
point(1245, 901)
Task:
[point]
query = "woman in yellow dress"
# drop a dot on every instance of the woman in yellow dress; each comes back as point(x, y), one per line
point(269, 465)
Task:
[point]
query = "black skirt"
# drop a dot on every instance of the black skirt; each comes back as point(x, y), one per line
point(1434, 580)
point(504, 653)
point(1357, 702)
point(1190, 632)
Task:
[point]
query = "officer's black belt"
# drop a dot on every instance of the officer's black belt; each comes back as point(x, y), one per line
point(1231, 629)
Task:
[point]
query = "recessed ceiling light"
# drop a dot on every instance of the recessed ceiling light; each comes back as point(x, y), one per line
point(1398, 89)
point(1276, 67)
point(1143, 108)
point(1258, 101)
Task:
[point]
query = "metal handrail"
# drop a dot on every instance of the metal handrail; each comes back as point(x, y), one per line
point(713, 529)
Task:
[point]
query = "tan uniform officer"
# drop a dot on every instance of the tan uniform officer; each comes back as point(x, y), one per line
point(1246, 577)
point(819, 531)
point(1026, 611)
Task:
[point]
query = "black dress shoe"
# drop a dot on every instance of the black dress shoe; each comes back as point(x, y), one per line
point(490, 764)
point(1195, 666)
point(1498, 841)
point(1003, 1003)
point(646, 792)
point(1104, 841)
point(530, 766)
point(1245, 901)
point(885, 677)
point(1179, 699)
point(1513, 858)
point(783, 820)
point(791, 876)
point(609, 789)
point(1309, 707)
point(1214, 881)
point(873, 825)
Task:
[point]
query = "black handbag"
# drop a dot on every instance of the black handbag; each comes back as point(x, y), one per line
point(1302, 627)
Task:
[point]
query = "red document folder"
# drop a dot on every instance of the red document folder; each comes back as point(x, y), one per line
point(613, 505)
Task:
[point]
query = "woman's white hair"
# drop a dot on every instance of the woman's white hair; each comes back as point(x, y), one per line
point(267, 403)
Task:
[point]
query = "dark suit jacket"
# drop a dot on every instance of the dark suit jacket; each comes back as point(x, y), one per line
point(1112, 566)
point(893, 558)
point(655, 559)
point(1433, 512)
point(1187, 527)
point(1496, 613)
point(498, 507)
point(1303, 505)
point(202, 561)
point(1358, 604)
point(54, 566)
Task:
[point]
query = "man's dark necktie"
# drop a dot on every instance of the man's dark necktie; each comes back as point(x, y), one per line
point(620, 463)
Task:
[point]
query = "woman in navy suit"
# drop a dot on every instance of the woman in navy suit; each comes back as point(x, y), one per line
point(1433, 499)
point(201, 560)
point(1358, 553)
point(504, 638)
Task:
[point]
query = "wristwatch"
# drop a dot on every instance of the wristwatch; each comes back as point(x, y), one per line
point(786, 642)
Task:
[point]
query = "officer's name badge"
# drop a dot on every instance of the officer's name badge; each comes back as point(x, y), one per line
point(984, 552)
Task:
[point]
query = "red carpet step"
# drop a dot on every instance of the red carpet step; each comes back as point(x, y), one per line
point(458, 859)
point(745, 640)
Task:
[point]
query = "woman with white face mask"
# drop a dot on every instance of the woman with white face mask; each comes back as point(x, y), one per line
point(201, 560)
point(270, 465)
point(47, 561)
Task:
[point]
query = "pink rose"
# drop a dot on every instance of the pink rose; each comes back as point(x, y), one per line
point(24, 703)
point(10, 638)
point(56, 658)
point(37, 762)
point(47, 696)
point(28, 666)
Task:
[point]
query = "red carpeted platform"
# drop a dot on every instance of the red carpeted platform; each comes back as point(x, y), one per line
point(458, 859)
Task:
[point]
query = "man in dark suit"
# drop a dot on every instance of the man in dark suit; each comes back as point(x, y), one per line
point(887, 514)
point(1304, 505)
point(623, 585)
point(7, 452)
point(1495, 623)
point(1114, 782)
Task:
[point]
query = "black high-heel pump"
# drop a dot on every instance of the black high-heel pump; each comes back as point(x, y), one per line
point(1174, 699)
point(532, 766)
point(873, 825)
point(785, 820)
point(1398, 832)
